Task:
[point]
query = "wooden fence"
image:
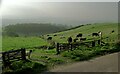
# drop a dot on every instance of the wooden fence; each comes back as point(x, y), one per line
point(71, 46)
point(13, 55)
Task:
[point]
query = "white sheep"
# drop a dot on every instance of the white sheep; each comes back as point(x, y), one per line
point(28, 53)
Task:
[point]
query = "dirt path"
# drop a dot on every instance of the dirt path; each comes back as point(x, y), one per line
point(107, 63)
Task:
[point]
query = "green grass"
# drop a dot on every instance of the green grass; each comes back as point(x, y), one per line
point(86, 30)
point(50, 58)
point(9, 43)
point(0, 43)
point(84, 53)
point(29, 67)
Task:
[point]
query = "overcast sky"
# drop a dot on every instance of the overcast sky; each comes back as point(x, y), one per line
point(71, 13)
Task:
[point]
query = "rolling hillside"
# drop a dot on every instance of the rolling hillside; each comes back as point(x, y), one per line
point(31, 29)
point(48, 56)
point(106, 28)
point(87, 30)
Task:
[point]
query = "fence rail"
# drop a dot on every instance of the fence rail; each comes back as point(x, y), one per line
point(70, 46)
point(13, 55)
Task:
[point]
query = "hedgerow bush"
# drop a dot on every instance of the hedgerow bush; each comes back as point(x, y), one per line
point(20, 67)
point(55, 61)
point(77, 55)
point(85, 53)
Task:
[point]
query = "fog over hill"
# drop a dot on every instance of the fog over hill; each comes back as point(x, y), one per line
point(6, 22)
point(32, 29)
point(69, 13)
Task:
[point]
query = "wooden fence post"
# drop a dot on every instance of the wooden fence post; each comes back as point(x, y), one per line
point(3, 59)
point(57, 49)
point(6, 62)
point(99, 42)
point(71, 46)
point(93, 43)
point(9, 56)
point(23, 54)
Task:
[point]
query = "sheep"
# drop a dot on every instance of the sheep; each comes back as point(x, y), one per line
point(75, 39)
point(79, 35)
point(112, 31)
point(69, 39)
point(55, 35)
point(49, 38)
point(82, 39)
point(95, 34)
point(28, 53)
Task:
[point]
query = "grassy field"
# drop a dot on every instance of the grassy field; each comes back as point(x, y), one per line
point(87, 31)
point(49, 57)
point(9, 43)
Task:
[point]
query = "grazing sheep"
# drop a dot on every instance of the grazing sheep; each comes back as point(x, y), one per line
point(55, 35)
point(49, 38)
point(28, 53)
point(112, 31)
point(82, 39)
point(75, 40)
point(69, 39)
point(79, 35)
point(95, 34)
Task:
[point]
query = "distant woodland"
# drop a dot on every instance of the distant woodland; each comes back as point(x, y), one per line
point(32, 29)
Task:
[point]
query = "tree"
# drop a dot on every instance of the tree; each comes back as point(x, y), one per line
point(12, 34)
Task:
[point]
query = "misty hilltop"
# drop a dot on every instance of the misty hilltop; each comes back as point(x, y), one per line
point(32, 29)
